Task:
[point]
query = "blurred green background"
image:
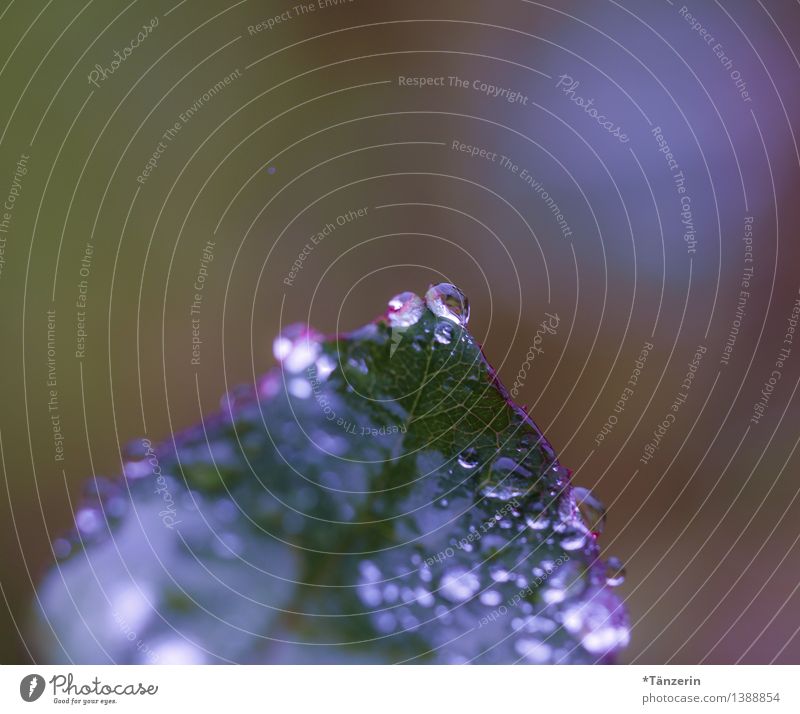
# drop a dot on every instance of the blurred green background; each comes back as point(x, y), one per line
point(313, 122)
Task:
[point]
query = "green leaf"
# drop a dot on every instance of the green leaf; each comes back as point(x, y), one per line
point(378, 498)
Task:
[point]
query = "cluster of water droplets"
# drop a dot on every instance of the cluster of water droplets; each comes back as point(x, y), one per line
point(299, 351)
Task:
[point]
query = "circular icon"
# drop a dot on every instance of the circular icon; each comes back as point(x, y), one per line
point(31, 687)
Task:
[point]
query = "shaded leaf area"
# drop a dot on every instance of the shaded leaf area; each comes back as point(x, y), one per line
point(378, 498)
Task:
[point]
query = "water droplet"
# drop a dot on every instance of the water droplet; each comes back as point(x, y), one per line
point(137, 469)
point(459, 584)
point(599, 621)
point(423, 597)
point(299, 387)
point(269, 385)
point(507, 480)
point(443, 333)
point(61, 548)
point(573, 540)
point(296, 348)
point(468, 459)
point(325, 366)
point(591, 509)
point(131, 607)
point(175, 651)
point(358, 364)
point(405, 310)
point(370, 571)
point(615, 572)
point(491, 598)
point(447, 301)
point(537, 520)
point(385, 622)
point(88, 521)
point(561, 581)
point(391, 592)
point(533, 651)
point(370, 594)
point(500, 575)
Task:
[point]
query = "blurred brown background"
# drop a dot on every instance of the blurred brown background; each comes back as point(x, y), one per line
point(313, 122)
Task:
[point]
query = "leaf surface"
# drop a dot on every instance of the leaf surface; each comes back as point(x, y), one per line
point(377, 498)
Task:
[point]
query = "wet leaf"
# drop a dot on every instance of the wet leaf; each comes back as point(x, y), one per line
point(377, 498)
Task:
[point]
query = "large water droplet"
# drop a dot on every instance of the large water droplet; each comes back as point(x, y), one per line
point(296, 348)
point(405, 309)
point(468, 459)
point(615, 572)
point(591, 509)
point(447, 301)
point(508, 479)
